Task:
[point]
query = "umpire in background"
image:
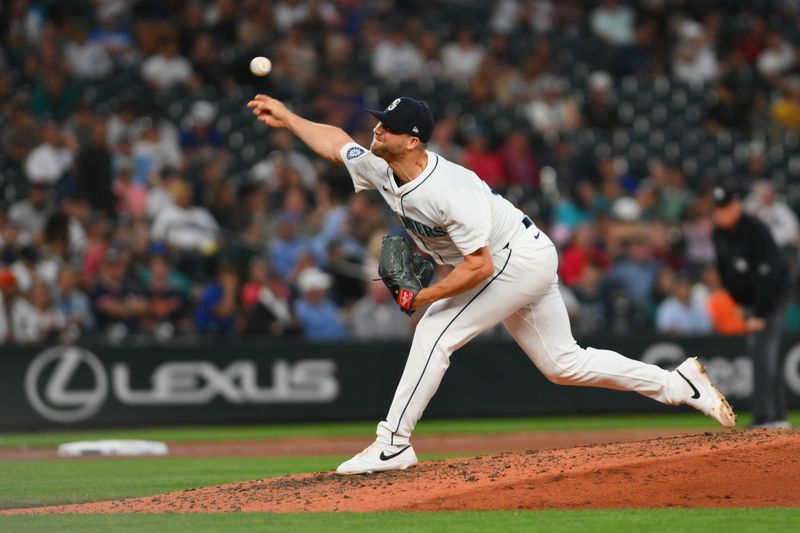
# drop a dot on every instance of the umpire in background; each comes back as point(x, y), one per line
point(756, 274)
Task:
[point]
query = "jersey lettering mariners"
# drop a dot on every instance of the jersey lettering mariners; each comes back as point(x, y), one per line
point(448, 210)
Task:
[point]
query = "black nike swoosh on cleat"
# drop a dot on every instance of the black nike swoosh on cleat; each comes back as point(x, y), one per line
point(385, 457)
point(696, 392)
point(537, 235)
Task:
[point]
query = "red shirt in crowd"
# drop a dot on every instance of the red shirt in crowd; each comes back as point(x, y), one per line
point(574, 259)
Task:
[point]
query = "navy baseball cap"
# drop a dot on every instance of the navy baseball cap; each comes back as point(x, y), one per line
point(726, 193)
point(406, 115)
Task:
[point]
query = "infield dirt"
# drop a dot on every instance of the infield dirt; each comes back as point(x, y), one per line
point(726, 469)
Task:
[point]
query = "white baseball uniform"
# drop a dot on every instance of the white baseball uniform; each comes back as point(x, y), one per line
point(450, 212)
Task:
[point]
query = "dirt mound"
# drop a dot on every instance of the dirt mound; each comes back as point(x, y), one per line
point(731, 469)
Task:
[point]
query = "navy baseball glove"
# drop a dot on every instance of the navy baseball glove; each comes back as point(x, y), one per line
point(403, 271)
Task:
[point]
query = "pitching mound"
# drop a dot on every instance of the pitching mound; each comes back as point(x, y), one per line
point(731, 469)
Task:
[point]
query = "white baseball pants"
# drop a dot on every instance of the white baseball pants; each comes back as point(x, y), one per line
point(523, 294)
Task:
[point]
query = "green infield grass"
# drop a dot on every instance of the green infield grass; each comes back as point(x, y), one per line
point(30, 483)
point(56, 481)
point(687, 420)
point(667, 520)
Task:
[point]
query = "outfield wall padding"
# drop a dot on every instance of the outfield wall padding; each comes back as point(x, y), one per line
point(99, 385)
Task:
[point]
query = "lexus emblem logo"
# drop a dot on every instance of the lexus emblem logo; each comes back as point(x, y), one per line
point(53, 394)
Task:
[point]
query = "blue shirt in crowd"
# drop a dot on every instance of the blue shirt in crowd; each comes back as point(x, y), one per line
point(321, 321)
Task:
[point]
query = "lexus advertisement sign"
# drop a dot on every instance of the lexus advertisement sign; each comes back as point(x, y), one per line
point(95, 386)
point(52, 373)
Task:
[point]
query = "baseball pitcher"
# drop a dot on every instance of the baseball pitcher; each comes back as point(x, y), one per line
point(504, 271)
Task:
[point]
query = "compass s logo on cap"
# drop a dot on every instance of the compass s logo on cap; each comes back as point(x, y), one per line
point(407, 115)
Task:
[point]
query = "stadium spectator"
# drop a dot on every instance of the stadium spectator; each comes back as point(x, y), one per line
point(50, 160)
point(443, 140)
point(777, 57)
point(31, 214)
point(290, 13)
point(207, 64)
point(579, 207)
point(429, 47)
point(8, 295)
point(395, 58)
point(485, 162)
point(678, 315)
point(265, 302)
point(12, 239)
point(589, 292)
point(284, 157)
point(600, 108)
point(113, 35)
point(581, 251)
point(80, 125)
point(376, 316)
point(200, 140)
point(285, 250)
point(131, 196)
point(73, 303)
point(519, 166)
point(86, 59)
point(782, 222)
point(20, 135)
point(506, 16)
point(726, 111)
point(299, 57)
point(786, 111)
point(166, 306)
point(635, 273)
point(220, 17)
point(27, 268)
point(35, 319)
point(630, 154)
point(613, 22)
point(95, 173)
point(218, 310)
point(186, 227)
point(695, 60)
point(116, 302)
point(551, 111)
point(122, 124)
point(461, 57)
point(318, 316)
point(167, 69)
point(696, 228)
point(752, 41)
point(643, 57)
point(254, 28)
point(54, 96)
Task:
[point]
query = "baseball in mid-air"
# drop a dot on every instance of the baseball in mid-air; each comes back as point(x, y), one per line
point(260, 66)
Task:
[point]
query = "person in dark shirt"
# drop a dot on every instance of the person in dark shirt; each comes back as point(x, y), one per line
point(114, 298)
point(757, 276)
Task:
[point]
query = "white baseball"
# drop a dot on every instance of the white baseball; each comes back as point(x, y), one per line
point(260, 66)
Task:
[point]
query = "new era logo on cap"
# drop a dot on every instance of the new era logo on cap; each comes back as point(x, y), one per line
point(407, 115)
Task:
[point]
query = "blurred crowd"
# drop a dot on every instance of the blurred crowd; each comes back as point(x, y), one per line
point(140, 200)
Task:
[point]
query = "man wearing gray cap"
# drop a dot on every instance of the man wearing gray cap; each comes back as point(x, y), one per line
point(757, 276)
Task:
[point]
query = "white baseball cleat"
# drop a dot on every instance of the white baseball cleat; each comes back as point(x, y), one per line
point(705, 397)
point(379, 457)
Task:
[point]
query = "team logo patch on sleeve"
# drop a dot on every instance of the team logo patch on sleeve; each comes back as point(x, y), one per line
point(354, 152)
